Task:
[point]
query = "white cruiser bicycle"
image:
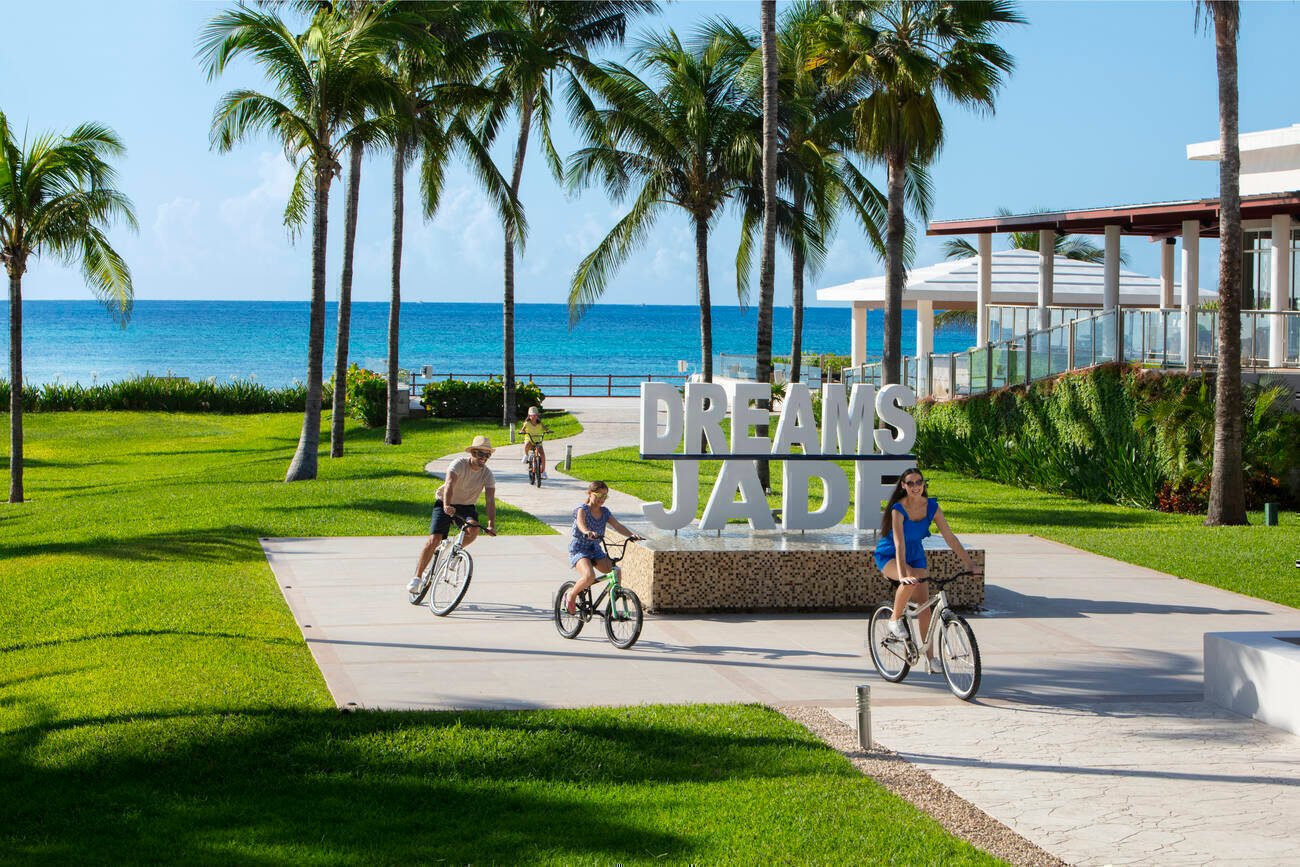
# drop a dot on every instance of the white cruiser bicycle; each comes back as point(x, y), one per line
point(950, 638)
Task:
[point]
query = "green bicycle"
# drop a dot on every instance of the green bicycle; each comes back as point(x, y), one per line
point(622, 607)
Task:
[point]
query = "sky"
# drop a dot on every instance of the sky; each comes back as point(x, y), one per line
point(1103, 100)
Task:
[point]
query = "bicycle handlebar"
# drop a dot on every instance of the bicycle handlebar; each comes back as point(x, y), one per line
point(622, 546)
point(464, 523)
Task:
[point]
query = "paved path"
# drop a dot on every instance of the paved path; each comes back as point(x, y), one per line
point(607, 422)
point(1090, 737)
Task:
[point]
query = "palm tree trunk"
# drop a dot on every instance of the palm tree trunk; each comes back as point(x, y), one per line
point(767, 262)
point(895, 233)
point(508, 301)
point(393, 429)
point(15, 384)
point(706, 308)
point(303, 465)
point(796, 300)
point(340, 404)
point(1227, 489)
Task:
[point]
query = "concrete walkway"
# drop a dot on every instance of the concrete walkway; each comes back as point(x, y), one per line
point(1089, 736)
point(607, 423)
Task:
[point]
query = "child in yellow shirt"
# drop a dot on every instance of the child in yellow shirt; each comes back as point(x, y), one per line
point(533, 431)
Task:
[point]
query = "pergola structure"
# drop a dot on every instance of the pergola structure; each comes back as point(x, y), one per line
point(1270, 203)
point(1013, 278)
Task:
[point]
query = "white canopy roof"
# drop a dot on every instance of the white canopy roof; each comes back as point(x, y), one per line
point(952, 285)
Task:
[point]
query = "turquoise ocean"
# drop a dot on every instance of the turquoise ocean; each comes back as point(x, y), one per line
point(77, 341)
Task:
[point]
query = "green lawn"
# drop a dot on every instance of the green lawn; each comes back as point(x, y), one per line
point(1256, 560)
point(157, 702)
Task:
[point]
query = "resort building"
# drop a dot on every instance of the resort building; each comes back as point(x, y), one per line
point(1036, 313)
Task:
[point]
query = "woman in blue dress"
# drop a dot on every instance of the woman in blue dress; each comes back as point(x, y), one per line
point(905, 523)
point(585, 551)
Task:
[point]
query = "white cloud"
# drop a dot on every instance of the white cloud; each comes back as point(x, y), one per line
point(256, 218)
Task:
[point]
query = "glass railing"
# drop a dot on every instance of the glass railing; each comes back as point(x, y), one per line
point(1130, 335)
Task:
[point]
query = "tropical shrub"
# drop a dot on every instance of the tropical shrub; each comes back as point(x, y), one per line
point(1112, 434)
point(455, 398)
point(367, 398)
point(162, 394)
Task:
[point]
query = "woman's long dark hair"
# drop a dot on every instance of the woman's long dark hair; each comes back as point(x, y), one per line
point(887, 519)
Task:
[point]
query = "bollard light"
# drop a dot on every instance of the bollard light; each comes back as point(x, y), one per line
point(864, 717)
point(512, 434)
point(568, 457)
point(1270, 514)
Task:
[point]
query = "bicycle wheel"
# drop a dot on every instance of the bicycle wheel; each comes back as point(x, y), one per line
point(888, 652)
point(450, 584)
point(417, 596)
point(537, 467)
point(623, 618)
point(532, 470)
point(960, 656)
point(568, 625)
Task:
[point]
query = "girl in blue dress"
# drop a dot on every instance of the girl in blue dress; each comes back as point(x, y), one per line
point(585, 551)
point(905, 523)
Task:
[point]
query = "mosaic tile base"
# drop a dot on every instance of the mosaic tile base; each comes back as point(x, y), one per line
point(817, 571)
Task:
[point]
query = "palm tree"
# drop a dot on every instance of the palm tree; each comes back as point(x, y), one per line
point(324, 79)
point(57, 197)
point(912, 54)
point(690, 142)
point(1072, 247)
point(431, 122)
point(767, 261)
point(1227, 486)
point(815, 131)
point(534, 40)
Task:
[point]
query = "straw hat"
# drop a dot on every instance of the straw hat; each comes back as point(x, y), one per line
point(481, 443)
point(534, 410)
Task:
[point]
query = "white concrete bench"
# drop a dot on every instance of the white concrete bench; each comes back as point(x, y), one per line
point(1255, 674)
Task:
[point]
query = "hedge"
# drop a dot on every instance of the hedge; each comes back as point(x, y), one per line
point(454, 398)
point(162, 394)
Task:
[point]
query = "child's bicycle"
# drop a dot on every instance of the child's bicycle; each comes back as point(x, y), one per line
point(958, 653)
point(446, 578)
point(535, 461)
point(622, 611)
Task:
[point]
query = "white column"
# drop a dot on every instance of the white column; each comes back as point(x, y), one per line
point(984, 288)
point(1191, 287)
point(1281, 252)
point(858, 334)
point(1110, 271)
point(924, 328)
point(1167, 273)
point(1047, 260)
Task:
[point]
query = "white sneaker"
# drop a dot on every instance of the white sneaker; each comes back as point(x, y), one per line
point(545, 477)
point(524, 459)
point(413, 586)
point(897, 629)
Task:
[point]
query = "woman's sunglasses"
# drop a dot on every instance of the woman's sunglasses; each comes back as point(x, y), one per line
point(915, 483)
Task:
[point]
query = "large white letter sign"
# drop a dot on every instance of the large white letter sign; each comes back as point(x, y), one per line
point(797, 424)
point(890, 403)
point(742, 477)
point(743, 415)
point(686, 498)
point(847, 425)
point(870, 491)
point(794, 495)
point(707, 421)
point(653, 394)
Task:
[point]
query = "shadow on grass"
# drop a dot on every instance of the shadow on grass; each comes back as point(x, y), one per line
point(229, 543)
point(392, 787)
point(149, 633)
point(1023, 519)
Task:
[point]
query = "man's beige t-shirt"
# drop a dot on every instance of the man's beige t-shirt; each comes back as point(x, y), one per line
point(469, 482)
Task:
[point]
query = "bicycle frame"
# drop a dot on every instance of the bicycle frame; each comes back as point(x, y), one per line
point(938, 602)
point(611, 578)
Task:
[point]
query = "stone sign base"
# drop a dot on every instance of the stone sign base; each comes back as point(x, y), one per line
point(824, 570)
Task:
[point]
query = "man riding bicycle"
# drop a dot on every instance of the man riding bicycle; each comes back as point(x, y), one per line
point(467, 477)
point(533, 431)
